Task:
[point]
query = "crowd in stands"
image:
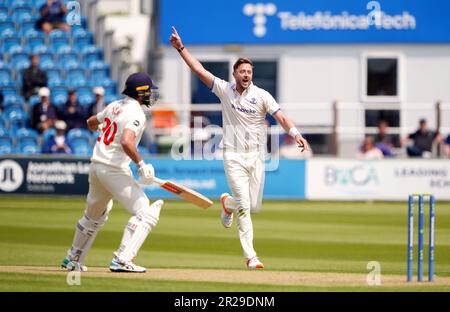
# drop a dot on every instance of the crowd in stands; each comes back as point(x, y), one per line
point(52, 78)
point(419, 144)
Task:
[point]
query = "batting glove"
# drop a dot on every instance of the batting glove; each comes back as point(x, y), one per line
point(146, 172)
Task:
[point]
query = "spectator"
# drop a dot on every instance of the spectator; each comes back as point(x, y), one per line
point(369, 151)
point(44, 114)
point(384, 141)
point(57, 144)
point(33, 78)
point(73, 114)
point(423, 140)
point(289, 149)
point(52, 16)
point(447, 146)
point(99, 104)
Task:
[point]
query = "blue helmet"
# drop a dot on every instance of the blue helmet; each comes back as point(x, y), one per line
point(139, 84)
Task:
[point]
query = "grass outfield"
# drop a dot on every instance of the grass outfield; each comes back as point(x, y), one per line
point(319, 246)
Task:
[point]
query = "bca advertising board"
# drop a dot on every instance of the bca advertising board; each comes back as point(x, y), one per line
point(330, 179)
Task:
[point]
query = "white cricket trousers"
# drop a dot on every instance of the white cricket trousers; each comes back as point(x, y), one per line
point(106, 183)
point(245, 175)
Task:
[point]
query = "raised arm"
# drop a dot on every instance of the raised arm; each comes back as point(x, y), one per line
point(290, 128)
point(197, 68)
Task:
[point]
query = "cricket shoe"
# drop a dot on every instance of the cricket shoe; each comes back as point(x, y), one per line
point(254, 263)
point(226, 216)
point(119, 266)
point(73, 265)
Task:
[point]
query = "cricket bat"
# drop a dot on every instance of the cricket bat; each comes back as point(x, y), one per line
point(185, 193)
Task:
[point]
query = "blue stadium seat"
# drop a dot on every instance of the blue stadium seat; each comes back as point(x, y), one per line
point(57, 44)
point(32, 42)
point(33, 100)
point(91, 54)
point(20, 61)
point(16, 49)
point(58, 97)
point(22, 15)
point(5, 77)
point(92, 49)
point(69, 65)
point(28, 148)
point(13, 100)
point(82, 38)
point(4, 65)
point(68, 56)
point(27, 29)
point(64, 49)
point(46, 61)
point(7, 29)
point(75, 78)
point(4, 13)
point(58, 34)
point(108, 84)
point(10, 43)
point(17, 118)
point(39, 49)
point(37, 4)
point(24, 133)
point(85, 96)
point(3, 130)
point(78, 134)
point(54, 78)
point(15, 4)
point(6, 146)
point(81, 149)
point(6, 90)
point(48, 133)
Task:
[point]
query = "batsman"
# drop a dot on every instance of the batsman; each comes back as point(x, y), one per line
point(244, 108)
point(110, 177)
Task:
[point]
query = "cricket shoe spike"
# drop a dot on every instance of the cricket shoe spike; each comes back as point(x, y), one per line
point(226, 216)
point(254, 263)
point(118, 266)
point(73, 265)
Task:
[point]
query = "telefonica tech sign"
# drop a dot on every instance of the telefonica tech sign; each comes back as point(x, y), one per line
point(307, 21)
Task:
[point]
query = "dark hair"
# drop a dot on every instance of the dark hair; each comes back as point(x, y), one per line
point(240, 61)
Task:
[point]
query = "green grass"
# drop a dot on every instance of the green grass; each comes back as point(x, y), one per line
point(289, 236)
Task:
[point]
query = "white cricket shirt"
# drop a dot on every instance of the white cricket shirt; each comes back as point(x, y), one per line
point(116, 117)
point(243, 116)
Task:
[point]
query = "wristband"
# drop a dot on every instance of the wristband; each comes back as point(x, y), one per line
point(180, 49)
point(293, 132)
point(141, 163)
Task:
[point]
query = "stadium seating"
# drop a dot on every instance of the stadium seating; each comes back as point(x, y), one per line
point(58, 96)
point(28, 148)
point(85, 96)
point(81, 149)
point(75, 136)
point(5, 77)
point(71, 60)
